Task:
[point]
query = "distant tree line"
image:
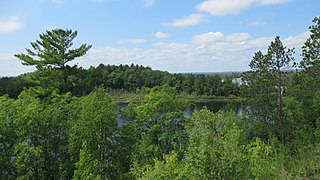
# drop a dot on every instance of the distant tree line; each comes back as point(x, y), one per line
point(48, 134)
point(126, 78)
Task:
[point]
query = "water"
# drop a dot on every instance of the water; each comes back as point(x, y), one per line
point(213, 106)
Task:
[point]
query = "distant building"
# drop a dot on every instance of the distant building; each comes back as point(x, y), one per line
point(238, 81)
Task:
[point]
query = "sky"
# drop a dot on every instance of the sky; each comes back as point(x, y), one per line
point(170, 35)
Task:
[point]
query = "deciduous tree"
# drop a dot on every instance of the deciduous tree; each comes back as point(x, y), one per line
point(94, 123)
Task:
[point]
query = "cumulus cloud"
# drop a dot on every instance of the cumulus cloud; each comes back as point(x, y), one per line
point(232, 7)
point(219, 36)
point(224, 7)
point(190, 20)
point(237, 37)
point(132, 41)
point(296, 41)
point(13, 23)
point(224, 52)
point(161, 35)
point(207, 38)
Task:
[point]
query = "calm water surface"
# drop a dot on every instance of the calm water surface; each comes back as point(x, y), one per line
point(213, 106)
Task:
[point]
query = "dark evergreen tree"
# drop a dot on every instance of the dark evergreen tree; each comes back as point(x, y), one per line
point(267, 82)
point(51, 55)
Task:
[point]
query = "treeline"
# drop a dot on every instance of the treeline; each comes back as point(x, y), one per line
point(127, 78)
point(46, 134)
point(12, 86)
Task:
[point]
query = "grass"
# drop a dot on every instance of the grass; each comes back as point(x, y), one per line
point(127, 97)
point(205, 98)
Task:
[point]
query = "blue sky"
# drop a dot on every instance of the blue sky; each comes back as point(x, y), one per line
point(170, 35)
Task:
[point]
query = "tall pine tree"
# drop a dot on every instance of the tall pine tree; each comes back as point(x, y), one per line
point(265, 92)
point(51, 55)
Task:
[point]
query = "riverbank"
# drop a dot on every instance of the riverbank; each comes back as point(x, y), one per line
point(204, 98)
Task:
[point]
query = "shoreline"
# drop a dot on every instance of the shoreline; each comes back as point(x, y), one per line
point(139, 97)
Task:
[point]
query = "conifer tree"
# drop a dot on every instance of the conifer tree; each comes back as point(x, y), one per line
point(267, 83)
point(51, 55)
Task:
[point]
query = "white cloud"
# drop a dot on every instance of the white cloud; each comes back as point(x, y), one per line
point(172, 46)
point(207, 38)
point(161, 35)
point(132, 41)
point(237, 37)
point(11, 66)
point(219, 36)
point(224, 7)
point(296, 41)
point(225, 52)
point(190, 20)
point(11, 24)
point(148, 3)
point(232, 7)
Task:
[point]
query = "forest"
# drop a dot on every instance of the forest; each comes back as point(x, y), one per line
point(129, 79)
point(61, 121)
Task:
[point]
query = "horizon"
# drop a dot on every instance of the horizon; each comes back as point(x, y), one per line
point(174, 36)
point(195, 73)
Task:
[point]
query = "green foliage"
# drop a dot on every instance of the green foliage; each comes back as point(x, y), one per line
point(310, 51)
point(43, 124)
point(121, 153)
point(266, 88)
point(305, 163)
point(303, 104)
point(215, 147)
point(87, 167)
point(121, 79)
point(30, 162)
point(12, 86)
point(53, 50)
point(159, 125)
point(218, 149)
point(47, 135)
point(169, 168)
point(94, 122)
point(8, 136)
point(311, 65)
point(50, 56)
point(264, 161)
